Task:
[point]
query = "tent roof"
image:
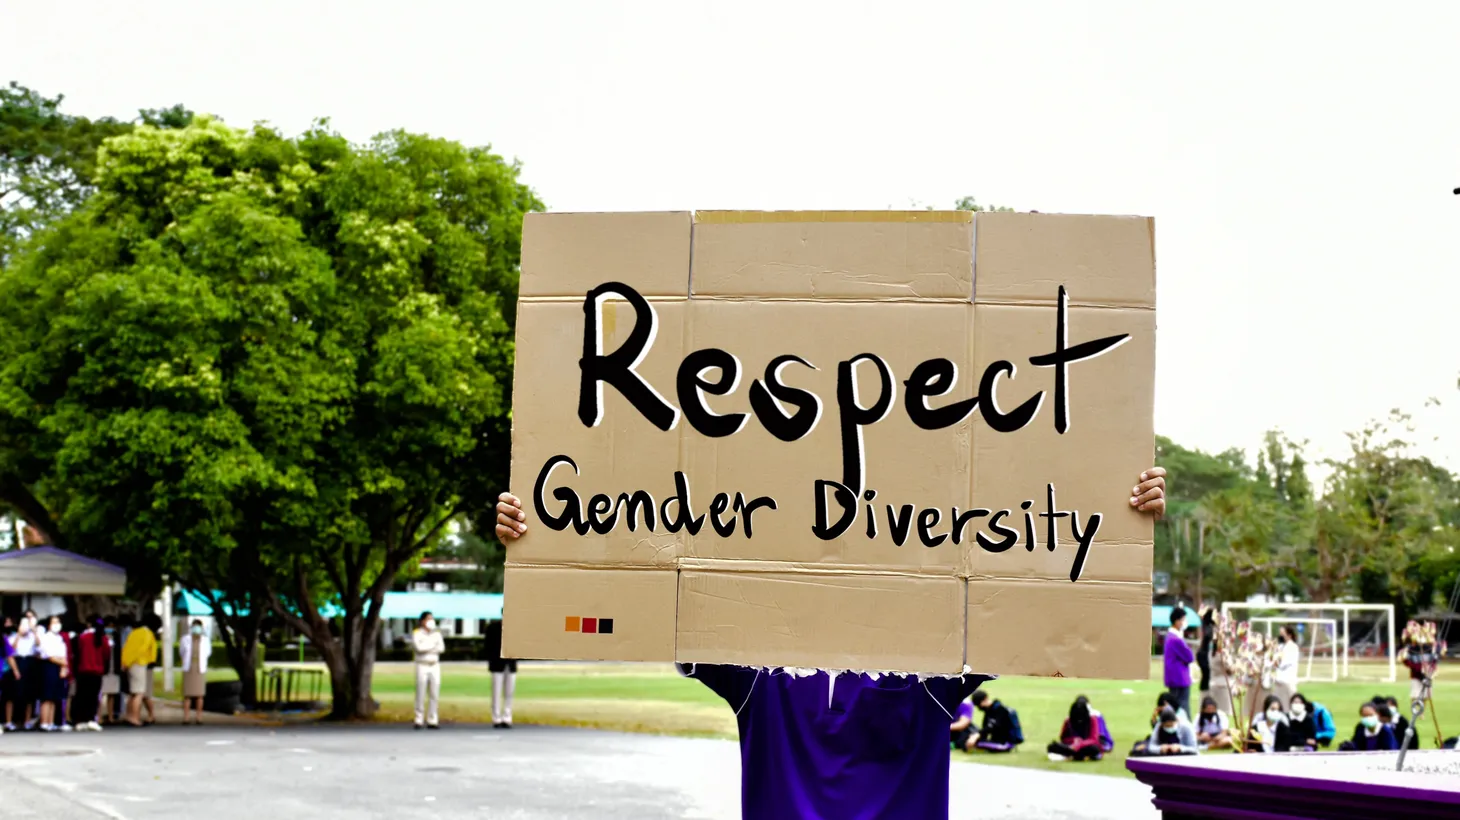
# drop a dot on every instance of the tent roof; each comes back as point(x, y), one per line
point(54, 571)
point(468, 606)
point(1161, 617)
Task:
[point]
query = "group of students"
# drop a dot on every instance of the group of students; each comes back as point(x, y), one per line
point(57, 676)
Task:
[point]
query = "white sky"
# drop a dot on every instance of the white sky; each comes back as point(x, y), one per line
point(1298, 157)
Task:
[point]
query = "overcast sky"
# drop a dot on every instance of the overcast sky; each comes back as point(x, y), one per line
point(1299, 159)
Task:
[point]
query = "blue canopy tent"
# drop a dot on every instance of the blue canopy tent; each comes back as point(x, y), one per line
point(406, 606)
point(1161, 617)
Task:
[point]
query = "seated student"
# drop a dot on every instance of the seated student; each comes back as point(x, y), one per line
point(1164, 701)
point(1323, 727)
point(1212, 728)
point(1370, 735)
point(1397, 721)
point(1302, 735)
point(1270, 732)
point(961, 731)
point(1083, 736)
point(1000, 731)
point(1172, 736)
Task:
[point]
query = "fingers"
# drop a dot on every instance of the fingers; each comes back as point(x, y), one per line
point(1150, 495)
point(1149, 484)
point(1154, 472)
point(511, 520)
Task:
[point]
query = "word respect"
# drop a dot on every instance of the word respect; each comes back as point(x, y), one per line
point(790, 413)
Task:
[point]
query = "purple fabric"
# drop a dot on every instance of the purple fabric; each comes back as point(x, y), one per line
point(878, 749)
point(1107, 742)
point(965, 710)
point(991, 746)
point(1178, 660)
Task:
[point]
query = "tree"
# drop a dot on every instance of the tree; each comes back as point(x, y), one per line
point(968, 203)
point(283, 361)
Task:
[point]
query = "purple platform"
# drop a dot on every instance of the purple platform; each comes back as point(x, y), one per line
point(1326, 786)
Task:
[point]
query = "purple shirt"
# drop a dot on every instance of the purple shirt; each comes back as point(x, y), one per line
point(876, 749)
point(1178, 660)
point(965, 710)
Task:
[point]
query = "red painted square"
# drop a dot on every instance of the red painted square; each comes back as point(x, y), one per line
point(590, 625)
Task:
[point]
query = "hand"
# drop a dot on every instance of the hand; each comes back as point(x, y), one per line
point(511, 520)
point(1149, 496)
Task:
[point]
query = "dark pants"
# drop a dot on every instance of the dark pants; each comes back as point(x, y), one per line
point(1206, 675)
point(87, 700)
point(1083, 753)
point(1182, 696)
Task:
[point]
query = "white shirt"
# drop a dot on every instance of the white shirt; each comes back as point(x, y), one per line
point(24, 645)
point(1287, 669)
point(52, 645)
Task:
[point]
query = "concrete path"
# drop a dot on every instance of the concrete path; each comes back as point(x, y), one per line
point(528, 773)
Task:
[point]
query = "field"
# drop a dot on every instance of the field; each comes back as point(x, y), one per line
point(652, 698)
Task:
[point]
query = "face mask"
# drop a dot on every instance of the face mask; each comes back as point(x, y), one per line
point(1274, 715)
point(1370, 721)
point(56, 628)
point(110, 631)
point(429, 625)
point(1299, 710)
point(197, 630)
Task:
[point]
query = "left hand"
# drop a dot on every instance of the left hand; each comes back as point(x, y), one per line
point(1149, 495)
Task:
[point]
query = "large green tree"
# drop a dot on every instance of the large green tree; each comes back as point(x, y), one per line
point(279, 362)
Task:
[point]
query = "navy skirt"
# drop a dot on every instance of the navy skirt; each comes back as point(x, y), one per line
point(55, 686)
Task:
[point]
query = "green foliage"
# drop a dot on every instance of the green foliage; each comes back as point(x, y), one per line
point(281, 359)
point(968, 203)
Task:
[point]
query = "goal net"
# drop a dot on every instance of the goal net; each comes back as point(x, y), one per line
point(1338, 641)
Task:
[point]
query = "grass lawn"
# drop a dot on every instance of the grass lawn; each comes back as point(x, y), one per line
point(652, 698)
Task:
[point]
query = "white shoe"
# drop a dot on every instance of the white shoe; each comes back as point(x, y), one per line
point(65, 727)
point(31, 724)
point(93, 727)
point(1054, 758)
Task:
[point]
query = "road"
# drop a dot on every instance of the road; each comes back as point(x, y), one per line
point(316, 772)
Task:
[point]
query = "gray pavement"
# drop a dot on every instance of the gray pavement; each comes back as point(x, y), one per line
point(327, 772)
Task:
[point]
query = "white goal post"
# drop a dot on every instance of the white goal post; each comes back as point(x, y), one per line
point(1329, 624)
point(1344, 636)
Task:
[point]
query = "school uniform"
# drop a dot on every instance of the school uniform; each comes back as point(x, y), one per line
point(1380, 739)
point(428, 647)
point(28, 689)
point(958, 738)
point(1184, 736)
point(194, 651)
point(504, 675)
point(93, 651)
point(999, 732)
point(51, 648)
point(863, 746)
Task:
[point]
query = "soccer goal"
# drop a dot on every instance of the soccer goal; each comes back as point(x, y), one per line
point(1317, 639)
point(1361, 644)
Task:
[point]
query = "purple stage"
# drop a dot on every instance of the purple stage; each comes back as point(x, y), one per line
point(1327, 786)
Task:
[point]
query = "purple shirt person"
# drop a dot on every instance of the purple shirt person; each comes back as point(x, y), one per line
point(851, 746)
point(1178, 658)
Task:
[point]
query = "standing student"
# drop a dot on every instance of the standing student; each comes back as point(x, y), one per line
point(1370, 735)
point(21, 707)
point(55, 674)
point(1285, 678)
point(428, 644)
point(138, 655)
point(93, 654)
point(504, 677)
point(9, 673)
point(1178, 657)
point(1204, 650)
point(111, 678)
point(840, 745)
point(193, 650)
point(1080, 736)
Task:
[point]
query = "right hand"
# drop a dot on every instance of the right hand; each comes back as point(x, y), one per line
point(511, 520)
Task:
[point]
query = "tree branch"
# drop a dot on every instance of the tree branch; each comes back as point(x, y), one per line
point(17, 495)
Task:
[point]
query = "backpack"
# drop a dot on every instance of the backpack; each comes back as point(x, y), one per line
point(1016, 731)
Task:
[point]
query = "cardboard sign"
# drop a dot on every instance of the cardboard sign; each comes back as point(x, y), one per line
point(898, 441)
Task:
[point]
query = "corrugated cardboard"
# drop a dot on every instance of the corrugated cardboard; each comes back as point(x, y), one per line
point(1014, 593)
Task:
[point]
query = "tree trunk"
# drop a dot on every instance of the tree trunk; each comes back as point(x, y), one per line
point(350, 677)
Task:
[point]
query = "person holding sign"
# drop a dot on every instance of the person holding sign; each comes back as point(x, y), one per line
point(841, 744)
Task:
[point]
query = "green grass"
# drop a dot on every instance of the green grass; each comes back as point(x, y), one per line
point(653, 699)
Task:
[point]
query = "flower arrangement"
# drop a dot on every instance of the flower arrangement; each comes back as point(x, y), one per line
point(1248, 660)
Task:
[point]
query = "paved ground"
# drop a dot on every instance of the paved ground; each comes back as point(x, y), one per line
point(312, 772)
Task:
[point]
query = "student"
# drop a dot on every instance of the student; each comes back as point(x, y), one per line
point(1391, 715)
point(961, 731)
point(1178, 658)
point(55, 673)
point(1080, 736)
point(93, 653)
point(138, 655)
point(1164, 701)
point(9, 673)
point(25, 692)
point(193, 650)
point(1000, 731)
point(1270, 732)
point(844, 745)
point(428, 644)
point(1171, 736)
point(504, 677)
point(1204, 650)
point(1323, 728)
point(1302, 726)
point(1370, 735)
point(111, 679)
point(1213, 731)
point(1285, 678)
